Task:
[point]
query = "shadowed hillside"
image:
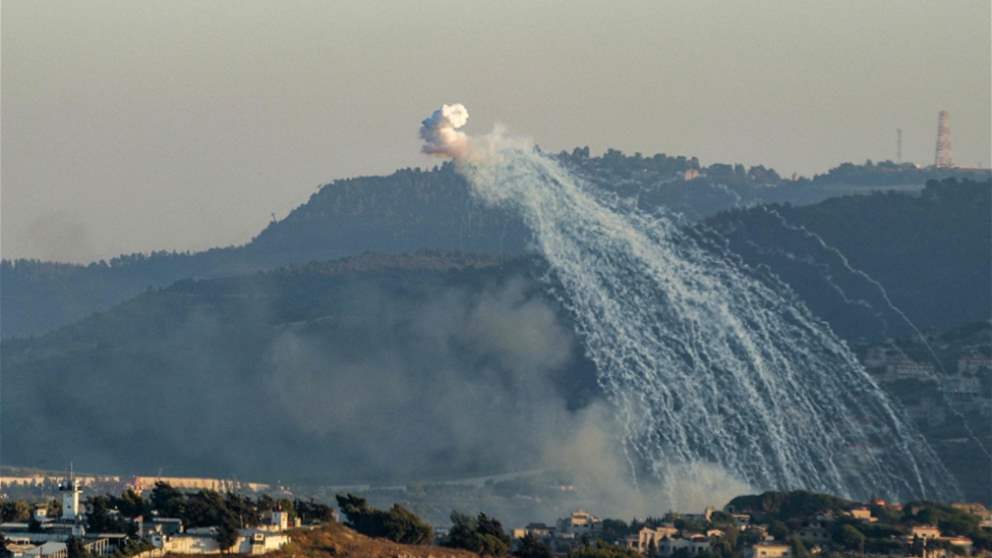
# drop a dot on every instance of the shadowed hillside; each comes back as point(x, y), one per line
point(860, 262)
point(324, 370)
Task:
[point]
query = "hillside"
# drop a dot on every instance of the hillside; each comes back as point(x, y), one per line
point(411, 210)
point(325, 371)
point(859, 262)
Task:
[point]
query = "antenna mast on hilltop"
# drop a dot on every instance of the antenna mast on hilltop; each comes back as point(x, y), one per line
point(898, 145)
point(942, 158)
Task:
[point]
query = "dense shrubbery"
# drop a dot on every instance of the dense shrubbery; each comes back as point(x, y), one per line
point(785, 505)
point(398, 524)
point(481, 534)
point(532, 547)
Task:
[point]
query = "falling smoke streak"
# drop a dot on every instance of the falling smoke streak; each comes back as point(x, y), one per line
point(827, 275)
point(902, 315)
point(704, 362)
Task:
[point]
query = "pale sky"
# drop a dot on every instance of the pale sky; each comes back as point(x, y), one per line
point(133, 126)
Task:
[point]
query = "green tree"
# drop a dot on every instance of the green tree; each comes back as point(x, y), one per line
point(75, 549)
point(167, 500)
point(16, 510)
point(481, 534)
point(398, 524)
point(313, 511)
point(779, 530)
point(227, 531)
point(849, 537)
point(799, 549)
point(131, 504)
point(4, 553)
point(101, 517)
point(532, 547)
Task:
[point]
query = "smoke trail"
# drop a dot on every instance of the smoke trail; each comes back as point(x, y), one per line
point(902, 315)
point(705, 362)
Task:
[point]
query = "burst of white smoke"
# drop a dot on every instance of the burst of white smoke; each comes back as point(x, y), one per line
point(441, 134)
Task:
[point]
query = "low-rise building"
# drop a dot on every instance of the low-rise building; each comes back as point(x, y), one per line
point(770, 550)
point(862, 514)
point(204, 541)
point(652, 536)
point(695, 545)
point(580, 523)
point(924, 532)
point(963, 543)
point(814, 532)
point(539, 530)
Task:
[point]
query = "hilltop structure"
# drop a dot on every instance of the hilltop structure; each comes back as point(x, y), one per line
point(942, 157)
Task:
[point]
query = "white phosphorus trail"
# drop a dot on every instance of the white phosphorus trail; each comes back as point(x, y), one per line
point(706, 362)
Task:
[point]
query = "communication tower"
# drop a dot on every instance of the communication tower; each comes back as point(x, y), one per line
point(942, 158)
point(898, 145)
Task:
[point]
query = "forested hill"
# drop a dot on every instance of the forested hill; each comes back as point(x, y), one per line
point(327, 370)
point(411, 210)
point(862, 262)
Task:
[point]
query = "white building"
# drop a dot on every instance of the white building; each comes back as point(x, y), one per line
point(648, 536)
point(695, 545)
point(580, 523)
point(70, 498)
point(203, 541)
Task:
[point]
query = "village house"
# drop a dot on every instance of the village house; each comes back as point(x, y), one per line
point(861, 514)
point(965, 544)
point(694, 545)
point(770, 550)
point(539, 530)
point(204, 541)
point(924, 532)
point(649, 537)
point(580, 523)
point(814, 532)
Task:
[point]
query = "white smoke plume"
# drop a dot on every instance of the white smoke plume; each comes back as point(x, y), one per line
point(441, 134)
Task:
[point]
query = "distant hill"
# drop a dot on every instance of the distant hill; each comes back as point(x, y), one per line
point(354, 370)
point(411, 210)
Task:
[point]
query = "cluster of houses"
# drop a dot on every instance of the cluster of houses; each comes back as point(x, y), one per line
point(666, 540)
point(567, 533)
point(49, 537)
point(116, 483)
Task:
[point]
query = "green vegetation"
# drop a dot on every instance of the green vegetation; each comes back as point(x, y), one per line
point(782, 506)
point(481, 534)
point(849, 537)
point(949, 520)
point(75, 549)
point(532, 547)
point(205, 508)
point(932, 253)
point(398, 524)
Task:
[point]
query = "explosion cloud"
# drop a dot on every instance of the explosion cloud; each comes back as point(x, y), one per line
point(440, 132)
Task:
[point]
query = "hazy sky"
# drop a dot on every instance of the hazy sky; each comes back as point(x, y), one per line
point(131, 126)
